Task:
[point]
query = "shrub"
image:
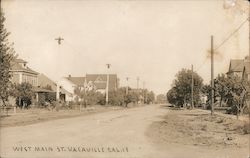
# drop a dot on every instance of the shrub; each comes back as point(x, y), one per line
point(41, 100)
point(246, 128)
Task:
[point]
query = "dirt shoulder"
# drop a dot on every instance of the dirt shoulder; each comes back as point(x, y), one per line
point(31, 116)
point(199, 128)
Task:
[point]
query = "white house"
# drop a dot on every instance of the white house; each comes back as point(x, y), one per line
point(96, 82)
point(70, 84)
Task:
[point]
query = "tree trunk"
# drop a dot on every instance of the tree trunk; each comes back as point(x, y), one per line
point(23, 105)
point(4, 104)
point(19, 101)
point(221, 98)
point(85, 104)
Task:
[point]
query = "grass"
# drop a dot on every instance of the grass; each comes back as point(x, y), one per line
point(246, 128)
point(31, 116)
point(200, 128)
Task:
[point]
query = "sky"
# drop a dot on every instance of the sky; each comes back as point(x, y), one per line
point(152, 40)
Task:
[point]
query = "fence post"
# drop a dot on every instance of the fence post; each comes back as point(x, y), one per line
point(14, 109)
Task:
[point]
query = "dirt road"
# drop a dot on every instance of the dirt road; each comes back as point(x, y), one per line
point(114, 134)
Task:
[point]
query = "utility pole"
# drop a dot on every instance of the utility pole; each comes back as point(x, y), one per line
point(249, 60)
point(1, 7)
point(249, 29)
point(138, 79)
point(127, 86)
point(212, 75)
point(59, 41)
point(192, 88)
point(107, 85)
point(143, 91)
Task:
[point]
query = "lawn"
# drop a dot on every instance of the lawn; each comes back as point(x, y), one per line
point(35, 115)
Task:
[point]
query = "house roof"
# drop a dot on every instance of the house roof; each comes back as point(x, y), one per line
point(15, 66)
point(247, 67)
point(236, 65)
point(100, 77)
point(100, 80)
point(39, 89)
point(44, 81)
point(20, 61)
point(79, 81)
point(100, 85)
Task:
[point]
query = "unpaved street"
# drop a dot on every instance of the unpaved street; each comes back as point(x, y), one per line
point(114, 134)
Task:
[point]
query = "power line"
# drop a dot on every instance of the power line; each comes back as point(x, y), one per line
point(224, 41)
point(203, 63)
point(236, 30)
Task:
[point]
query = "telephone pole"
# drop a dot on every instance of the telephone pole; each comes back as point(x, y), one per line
point(59, 42)
point(212, 75)
point(249, 60)
point(127, 86)
point(192, 88)
point(145, 93)
point(138, 79)
point(249, 27)
point(107, 85)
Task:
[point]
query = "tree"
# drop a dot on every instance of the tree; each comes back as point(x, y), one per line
point(150, 97)
point(120, 98)
point(173, 98)
point(93, 97)
point(131, 97)
point(89, 97)
point(222, 87)
point(117, 97)
point(6, 56)
point(236, 94)
point(232, 90)
point(181, 92)
point(24, 94)
point(161, 98)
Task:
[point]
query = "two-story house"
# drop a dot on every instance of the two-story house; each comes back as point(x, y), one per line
point(237, 67)
point(240, 68)
point(22, 73)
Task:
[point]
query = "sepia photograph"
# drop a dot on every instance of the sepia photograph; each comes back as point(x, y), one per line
point(125, 79)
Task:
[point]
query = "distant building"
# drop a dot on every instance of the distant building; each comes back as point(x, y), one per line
point(246, 71)
point(46, 85)
point(70, 84)
point(22, 73)
point(41, 84)
point(237, 66)
point(96, 82)
point(240, 68)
